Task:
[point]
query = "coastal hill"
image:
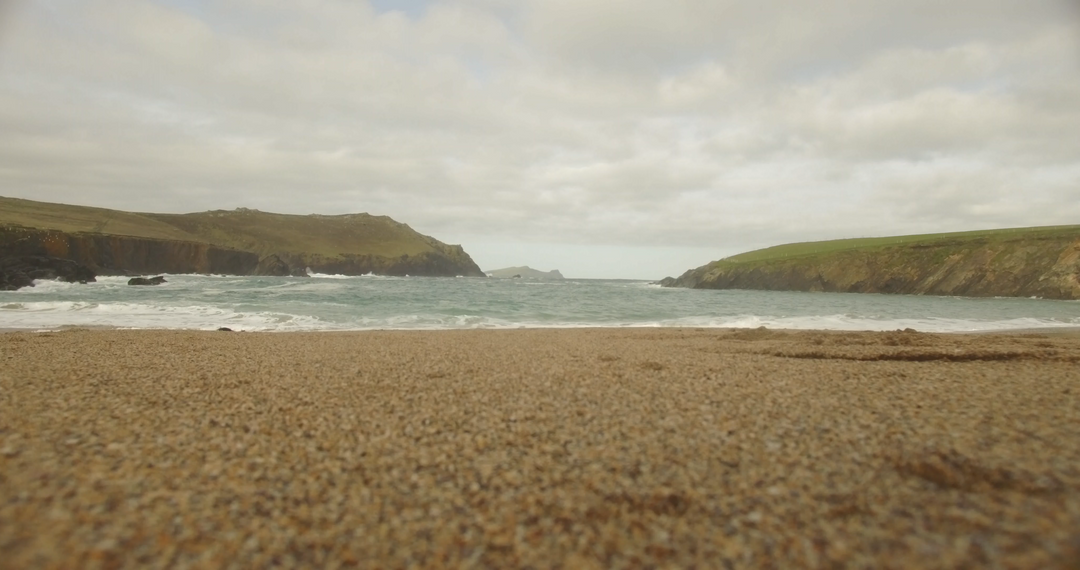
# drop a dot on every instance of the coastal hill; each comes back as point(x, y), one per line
point(525, 272)
point(1020, 262)
point(238, 242)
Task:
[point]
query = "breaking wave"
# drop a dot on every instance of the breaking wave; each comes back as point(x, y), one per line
point(339, 303)
point(53, 314)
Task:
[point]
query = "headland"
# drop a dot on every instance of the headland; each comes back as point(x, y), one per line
point(233, 242)
point(1018, 262)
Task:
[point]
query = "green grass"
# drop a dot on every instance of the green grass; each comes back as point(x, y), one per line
point(808, 249)
point(73, 219)
point(249, 230)
point(329, 236)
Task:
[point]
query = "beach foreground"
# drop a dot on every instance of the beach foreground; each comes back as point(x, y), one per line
point(543, 448)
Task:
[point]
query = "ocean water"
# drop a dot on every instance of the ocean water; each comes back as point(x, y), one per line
point(334, 302)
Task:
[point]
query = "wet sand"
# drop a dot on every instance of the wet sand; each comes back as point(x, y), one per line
point(544, 448)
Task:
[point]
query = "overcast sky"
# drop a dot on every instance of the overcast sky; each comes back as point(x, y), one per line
point(604, 138)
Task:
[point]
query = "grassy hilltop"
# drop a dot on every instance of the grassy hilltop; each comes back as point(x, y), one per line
point(84, 219)
point(1036, 261)
point(350, 243)
point(328, 236)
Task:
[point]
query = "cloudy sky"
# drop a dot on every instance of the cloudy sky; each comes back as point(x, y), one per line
point(605, 138)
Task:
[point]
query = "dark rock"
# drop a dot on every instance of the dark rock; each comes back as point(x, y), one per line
point(144, 281)
point(21, 271)
point(667, 282)
point(272, 265)
point(126, 255)
point(225, 329)
point(14, 280)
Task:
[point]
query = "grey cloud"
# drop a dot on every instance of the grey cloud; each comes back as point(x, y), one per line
point(599, 122)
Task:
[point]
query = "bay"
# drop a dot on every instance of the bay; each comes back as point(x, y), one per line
point(332, 302)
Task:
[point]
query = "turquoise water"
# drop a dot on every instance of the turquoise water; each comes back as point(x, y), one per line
point(327, 302)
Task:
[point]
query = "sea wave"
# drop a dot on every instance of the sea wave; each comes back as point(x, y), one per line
point(43, 315)
point(54, 314)
point(113, 279)
point(368, 275)
point(48, 286)
point(338, 302)
point(856, 323)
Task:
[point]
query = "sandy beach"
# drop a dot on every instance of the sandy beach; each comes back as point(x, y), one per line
point(586, 448)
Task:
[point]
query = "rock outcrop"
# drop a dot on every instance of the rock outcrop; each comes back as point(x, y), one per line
point(147, 281)
point(21, 271)
point(272, 265)
point(125, 255)
point(1046, 266)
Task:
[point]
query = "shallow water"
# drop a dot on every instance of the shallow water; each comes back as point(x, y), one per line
point(334, 302)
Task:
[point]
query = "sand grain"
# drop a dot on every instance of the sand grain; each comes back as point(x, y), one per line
point(542, 448)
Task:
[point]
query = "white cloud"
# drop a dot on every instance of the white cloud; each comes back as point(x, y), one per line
point(594, 124)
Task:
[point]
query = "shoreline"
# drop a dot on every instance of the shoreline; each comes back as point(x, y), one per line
point(542, 447)
point(1066, 330)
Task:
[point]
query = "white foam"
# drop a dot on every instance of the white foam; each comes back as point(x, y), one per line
point(112, 279)
point(47, 286)
point(326, 302)
point(53, 314)
point(850, 323)
point(368, 275)
point(144, 316)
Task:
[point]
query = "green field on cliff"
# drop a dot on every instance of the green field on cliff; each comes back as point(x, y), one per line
point(813, 248)
point(1039, 262)
point(243, 229)
point(73, 219)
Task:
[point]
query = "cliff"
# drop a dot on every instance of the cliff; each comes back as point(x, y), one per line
point(525, 272)
point(21, 271)
point(1024, 262)
point(349, 244)
point(239, 242)
point(111, 254)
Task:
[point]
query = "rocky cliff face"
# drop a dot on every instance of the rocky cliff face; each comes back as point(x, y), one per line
point(237, 242)
point(1047, 267)
point(423, 264)
point(349, 244)
point(21, 271)
point(110, 254)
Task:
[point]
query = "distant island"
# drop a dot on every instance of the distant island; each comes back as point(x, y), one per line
point(524, 272)
point(1020, 262)
point(234, 242)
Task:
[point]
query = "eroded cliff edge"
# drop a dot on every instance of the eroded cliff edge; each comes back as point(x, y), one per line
point(1025, 263)
point(236, 242)
point(112, 254)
